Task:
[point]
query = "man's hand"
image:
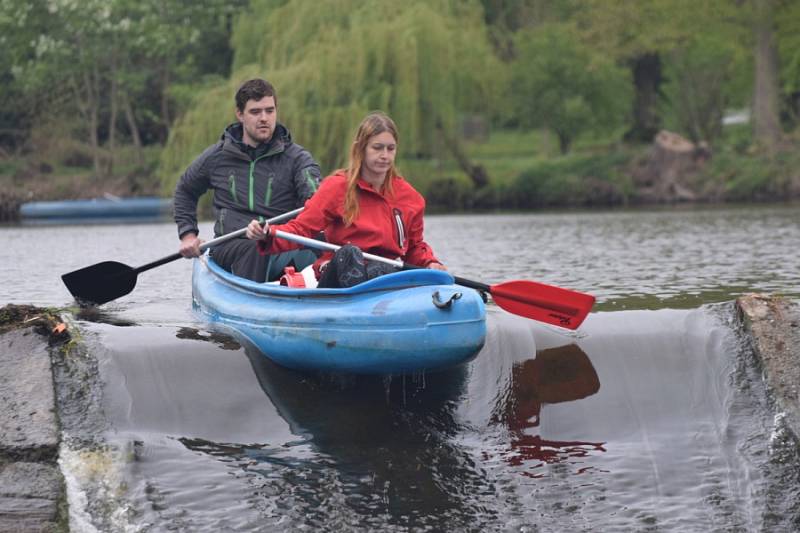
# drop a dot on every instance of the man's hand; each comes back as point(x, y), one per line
point(256, 230)
point(437, 266)
point(190, 246)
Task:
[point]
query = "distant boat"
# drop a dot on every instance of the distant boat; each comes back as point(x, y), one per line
point(107, 210)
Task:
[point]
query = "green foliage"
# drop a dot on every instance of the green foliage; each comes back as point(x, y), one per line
point(626, 29)
point(194, 131)
point(749, 176)
point(701, 85)
point(560, 84)
point(736, 138)
point(104, 53)
point(550, 66)
point(789, 53)
point(332, 62)
point(450, 194)
point(572, 181)
point(789, 45)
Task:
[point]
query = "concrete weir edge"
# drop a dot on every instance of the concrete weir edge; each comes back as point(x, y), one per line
point(32, 490)
point(773, 325)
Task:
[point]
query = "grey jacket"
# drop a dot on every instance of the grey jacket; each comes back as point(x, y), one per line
point(248, 183)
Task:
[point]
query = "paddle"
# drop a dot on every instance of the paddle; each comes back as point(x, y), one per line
point(546, 303)
point(106, 281)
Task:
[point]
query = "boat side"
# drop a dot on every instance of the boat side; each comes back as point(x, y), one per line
point(398, 323)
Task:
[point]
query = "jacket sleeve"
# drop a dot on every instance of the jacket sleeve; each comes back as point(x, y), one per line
point(306, 177)
point(319, 210)
point(419, 252)
point(191, 186)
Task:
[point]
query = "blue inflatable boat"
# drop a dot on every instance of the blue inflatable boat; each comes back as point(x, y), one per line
point(97, 210)
point(405, 322)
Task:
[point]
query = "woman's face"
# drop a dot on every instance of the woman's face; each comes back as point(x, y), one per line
point(378, 157)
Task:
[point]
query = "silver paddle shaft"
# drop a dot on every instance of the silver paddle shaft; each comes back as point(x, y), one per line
point(240, 232)
point(314, 243)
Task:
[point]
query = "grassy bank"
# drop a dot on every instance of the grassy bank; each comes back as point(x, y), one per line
point(525, 172)
point(65, 171)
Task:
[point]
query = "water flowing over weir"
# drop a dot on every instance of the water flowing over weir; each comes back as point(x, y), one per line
point(644, 420)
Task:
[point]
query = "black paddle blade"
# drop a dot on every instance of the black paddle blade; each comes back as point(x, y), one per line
point(100, 283)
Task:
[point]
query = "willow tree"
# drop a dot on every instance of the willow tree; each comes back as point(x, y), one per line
point(424, 62)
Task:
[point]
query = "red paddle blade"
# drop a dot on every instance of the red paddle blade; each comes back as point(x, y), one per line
point(554, 305)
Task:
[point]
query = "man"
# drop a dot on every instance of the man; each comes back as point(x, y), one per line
point(256, 171)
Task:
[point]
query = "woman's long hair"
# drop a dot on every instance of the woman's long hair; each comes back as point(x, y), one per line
point(374, 123)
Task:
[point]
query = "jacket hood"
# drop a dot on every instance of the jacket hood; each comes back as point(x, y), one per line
point(235, 132)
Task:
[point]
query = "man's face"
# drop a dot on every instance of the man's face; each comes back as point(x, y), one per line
point(258, 120)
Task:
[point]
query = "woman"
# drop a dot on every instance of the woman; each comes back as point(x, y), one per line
point(367, 205)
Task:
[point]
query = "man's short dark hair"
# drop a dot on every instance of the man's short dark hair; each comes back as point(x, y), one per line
point(254, 90)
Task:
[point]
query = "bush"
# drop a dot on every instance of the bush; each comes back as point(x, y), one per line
point(449, 194)
point(751, 177)
point(572, 181)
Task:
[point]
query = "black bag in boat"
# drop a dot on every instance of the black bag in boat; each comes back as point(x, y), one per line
point(348, 268)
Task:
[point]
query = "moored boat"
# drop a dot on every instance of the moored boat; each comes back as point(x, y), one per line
point(406, 322)
point(111, 209)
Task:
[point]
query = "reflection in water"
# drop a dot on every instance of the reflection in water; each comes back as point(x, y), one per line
point(226, 342)
point(555, 375)
point(101, 315)
point(387, 445)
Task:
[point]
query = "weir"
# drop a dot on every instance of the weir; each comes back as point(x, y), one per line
point(639, 419)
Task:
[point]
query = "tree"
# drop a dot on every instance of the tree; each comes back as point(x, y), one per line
point(423, 62)
point(560, 84)
point(108, 56)
point(704, 80)
point(506, 17)
point(788, 36)
point(638, 33)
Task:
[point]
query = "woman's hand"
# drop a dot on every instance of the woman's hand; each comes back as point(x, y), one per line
point(256, 231)
point(437, 266)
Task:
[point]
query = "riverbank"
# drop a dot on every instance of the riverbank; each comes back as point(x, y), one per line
point(670, 171)
point(34, 342)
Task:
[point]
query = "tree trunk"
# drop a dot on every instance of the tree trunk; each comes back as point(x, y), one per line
point(87, 100)
point(165, 111)
point(666, 175)
point(476, 173)
point(112, 119)
point(766, 121)
point(132, 126)
point(564, 142)
point(647, 84)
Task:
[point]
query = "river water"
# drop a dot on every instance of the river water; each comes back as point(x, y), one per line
point(652, 417)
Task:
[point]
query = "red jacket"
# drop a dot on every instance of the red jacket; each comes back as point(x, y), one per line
point(389, 226)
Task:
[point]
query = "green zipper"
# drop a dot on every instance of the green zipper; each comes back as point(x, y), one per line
point(268, 194)
point(252, 179)
point(310, 179)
